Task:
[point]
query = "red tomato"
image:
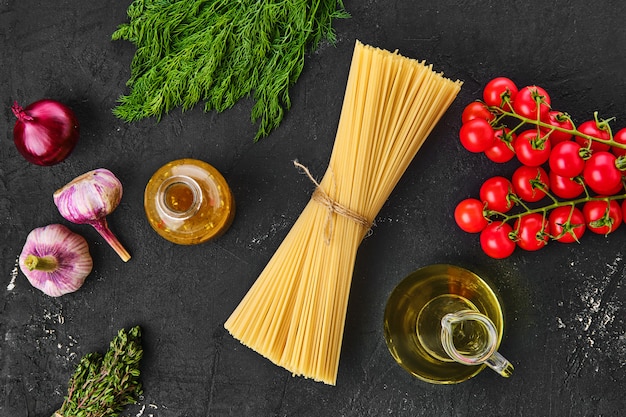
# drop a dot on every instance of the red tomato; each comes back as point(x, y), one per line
point(619, 137)
point(499, 92)
point(619, 189)
point(602, 217)
point(496, 242)
point(591, 128)
point(531, 150)
point(499, 152)
point(532, 102)
point(530, 183)
point(566, 188)
point(567, 224)
point(558, 120)
point(566, 160)
point(601, 174)
point(476, 110)
point(495, 192)
point(476, 135)
point(502, 149)
point(469, 215)
point(532, 231)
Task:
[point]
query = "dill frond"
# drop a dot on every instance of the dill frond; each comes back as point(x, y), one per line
point(220, 51)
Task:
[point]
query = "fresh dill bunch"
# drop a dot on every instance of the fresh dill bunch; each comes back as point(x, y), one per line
point(102, 386)
point(220, 51)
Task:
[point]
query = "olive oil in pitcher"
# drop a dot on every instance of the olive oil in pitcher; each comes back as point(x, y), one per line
point(413, 324)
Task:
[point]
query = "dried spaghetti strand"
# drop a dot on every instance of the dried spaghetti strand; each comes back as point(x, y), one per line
point(294, 314)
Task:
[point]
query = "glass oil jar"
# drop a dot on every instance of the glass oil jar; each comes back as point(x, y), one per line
point(188, 201)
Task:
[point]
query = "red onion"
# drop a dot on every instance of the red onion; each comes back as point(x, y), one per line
point(45, 132)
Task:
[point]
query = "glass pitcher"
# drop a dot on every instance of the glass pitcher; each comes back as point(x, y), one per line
point(444, 324)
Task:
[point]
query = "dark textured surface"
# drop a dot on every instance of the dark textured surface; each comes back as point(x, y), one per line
point(565, 313)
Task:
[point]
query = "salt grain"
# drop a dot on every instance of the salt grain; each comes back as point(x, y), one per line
point(598, 306)
point(14, 273)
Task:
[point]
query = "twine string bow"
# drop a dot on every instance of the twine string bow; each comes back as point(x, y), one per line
point(333, 207)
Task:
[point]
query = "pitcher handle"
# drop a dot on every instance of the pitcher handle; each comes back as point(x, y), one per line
point(487, 355)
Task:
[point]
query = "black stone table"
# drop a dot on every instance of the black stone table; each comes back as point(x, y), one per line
point(564, 305)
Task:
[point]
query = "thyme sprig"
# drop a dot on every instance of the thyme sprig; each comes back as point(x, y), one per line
point(102, 386)
point(220, 51)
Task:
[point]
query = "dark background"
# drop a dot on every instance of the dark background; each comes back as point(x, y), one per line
point(564, 305)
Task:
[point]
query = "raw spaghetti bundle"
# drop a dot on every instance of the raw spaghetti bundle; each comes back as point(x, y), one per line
point(294, 314)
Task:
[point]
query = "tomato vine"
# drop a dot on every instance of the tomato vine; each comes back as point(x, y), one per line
point(570, 179)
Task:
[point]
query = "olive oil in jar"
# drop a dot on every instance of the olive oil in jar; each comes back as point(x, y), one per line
point(412, 321)
point(188, 201)
point(180, 197)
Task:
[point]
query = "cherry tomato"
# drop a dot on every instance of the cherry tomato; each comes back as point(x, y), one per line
point(469, 215)
point(602, 217)
point(530, 149)
point(558, 120)
point(495, 192)
point(567, 224)
point(502, 149)
point(619, 189)
point(532, 231)
point(476, 110)
point(529, 183)
point(619, 137)
point(476, 135)
point(496, 242)
point(565, 188)
point(566, 160)
point(532, 102)
point(601, 174)
point(591, 128)
point(499, 92)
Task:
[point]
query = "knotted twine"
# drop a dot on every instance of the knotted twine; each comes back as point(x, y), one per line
point(333, 207)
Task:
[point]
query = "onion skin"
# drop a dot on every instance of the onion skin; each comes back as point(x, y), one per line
point(45, 132)
point(65, 251)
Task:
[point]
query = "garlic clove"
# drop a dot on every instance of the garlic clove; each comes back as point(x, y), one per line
point(55, 260)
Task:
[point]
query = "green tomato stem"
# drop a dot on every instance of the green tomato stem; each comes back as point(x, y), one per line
point(537, 122)
point(545, 209)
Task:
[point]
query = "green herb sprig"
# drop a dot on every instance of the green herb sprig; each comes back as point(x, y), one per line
point(219, 51)
point(102, 386)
